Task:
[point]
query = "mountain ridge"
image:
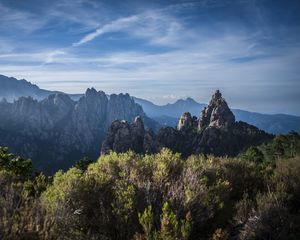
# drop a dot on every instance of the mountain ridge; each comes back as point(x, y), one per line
point(215, 132)
point(12, 88)
point(166, 115)
point(272, 123)
point(57, 131)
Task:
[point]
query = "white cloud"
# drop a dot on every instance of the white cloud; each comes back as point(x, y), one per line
point(194, 71)
point(199, 61)
point(32, 58)
point(154, 26)
point(117, 25)
point(50, 57)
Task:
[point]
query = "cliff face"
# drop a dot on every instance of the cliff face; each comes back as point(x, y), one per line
point(186, 121)
point(58, 131)
point(123, 136)
point(215, 132)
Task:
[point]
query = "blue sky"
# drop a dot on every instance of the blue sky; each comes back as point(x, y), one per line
point(158, 50)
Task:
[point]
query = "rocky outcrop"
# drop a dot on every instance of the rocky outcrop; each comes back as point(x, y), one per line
point(123, 136)
point(216, 132)
point(150, 143)
point(122, 106)
point(217, 114)
point(58, 131)
point(186, 121)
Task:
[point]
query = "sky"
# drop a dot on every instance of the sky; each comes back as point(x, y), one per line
point(158, 50)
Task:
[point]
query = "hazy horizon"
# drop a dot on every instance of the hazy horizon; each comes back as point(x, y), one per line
point(158, 50)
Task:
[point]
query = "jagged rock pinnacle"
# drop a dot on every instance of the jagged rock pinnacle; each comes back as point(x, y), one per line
point(219, 134)
point(123, 136)
point(217, 95)
point(138, 121)
point(186, 121)
point(217, 114)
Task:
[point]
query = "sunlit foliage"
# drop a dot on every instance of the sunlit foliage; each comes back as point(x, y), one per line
point(161, 196)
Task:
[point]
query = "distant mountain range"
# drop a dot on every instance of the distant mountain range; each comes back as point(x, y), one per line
point(167, 115)
point(173, 110)
point(11, 89)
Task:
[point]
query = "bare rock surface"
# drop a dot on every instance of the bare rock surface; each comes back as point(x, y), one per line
point(216, 132)
point(217, 114)
point(57, 131)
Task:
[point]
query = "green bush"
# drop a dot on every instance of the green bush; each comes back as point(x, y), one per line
point(159, 196)
point(14, 163)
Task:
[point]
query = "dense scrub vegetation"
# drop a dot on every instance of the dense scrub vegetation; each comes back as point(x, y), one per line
point(163, 196)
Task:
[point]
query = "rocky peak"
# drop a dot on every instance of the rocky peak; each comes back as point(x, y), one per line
point(89, 116)
point(186, 121)
point(138, 122)
point(59, 99)
point(58, 128)
point(58, 105)
point(92, 99)
point(217, 114)
point(25, 103)
point(91, 92)
point(12, 89)
point(123, 136)
point(217, 96)
point(219, 135)
point(122, 106)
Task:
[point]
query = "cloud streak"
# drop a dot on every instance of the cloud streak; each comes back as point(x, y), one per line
point(19, 20)
point(153, 26)
point(117, 25)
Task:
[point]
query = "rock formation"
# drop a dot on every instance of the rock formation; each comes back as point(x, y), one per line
point(123, 136)
point(217, 114)
point(58, 131)
point(186, 121)
point(216, 132)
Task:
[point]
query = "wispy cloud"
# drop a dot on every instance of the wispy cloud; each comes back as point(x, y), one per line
point(16, 20)
point(31, 58)
point(152, 25)
point(160, 51)
point(51, 55)
point(117, 25)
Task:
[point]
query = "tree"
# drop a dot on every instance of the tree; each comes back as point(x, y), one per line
point(14, 163)
point(83, 163)
point(253, 154)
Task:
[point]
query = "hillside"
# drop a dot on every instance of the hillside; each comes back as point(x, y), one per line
point(157, 196)
point(11, 89)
